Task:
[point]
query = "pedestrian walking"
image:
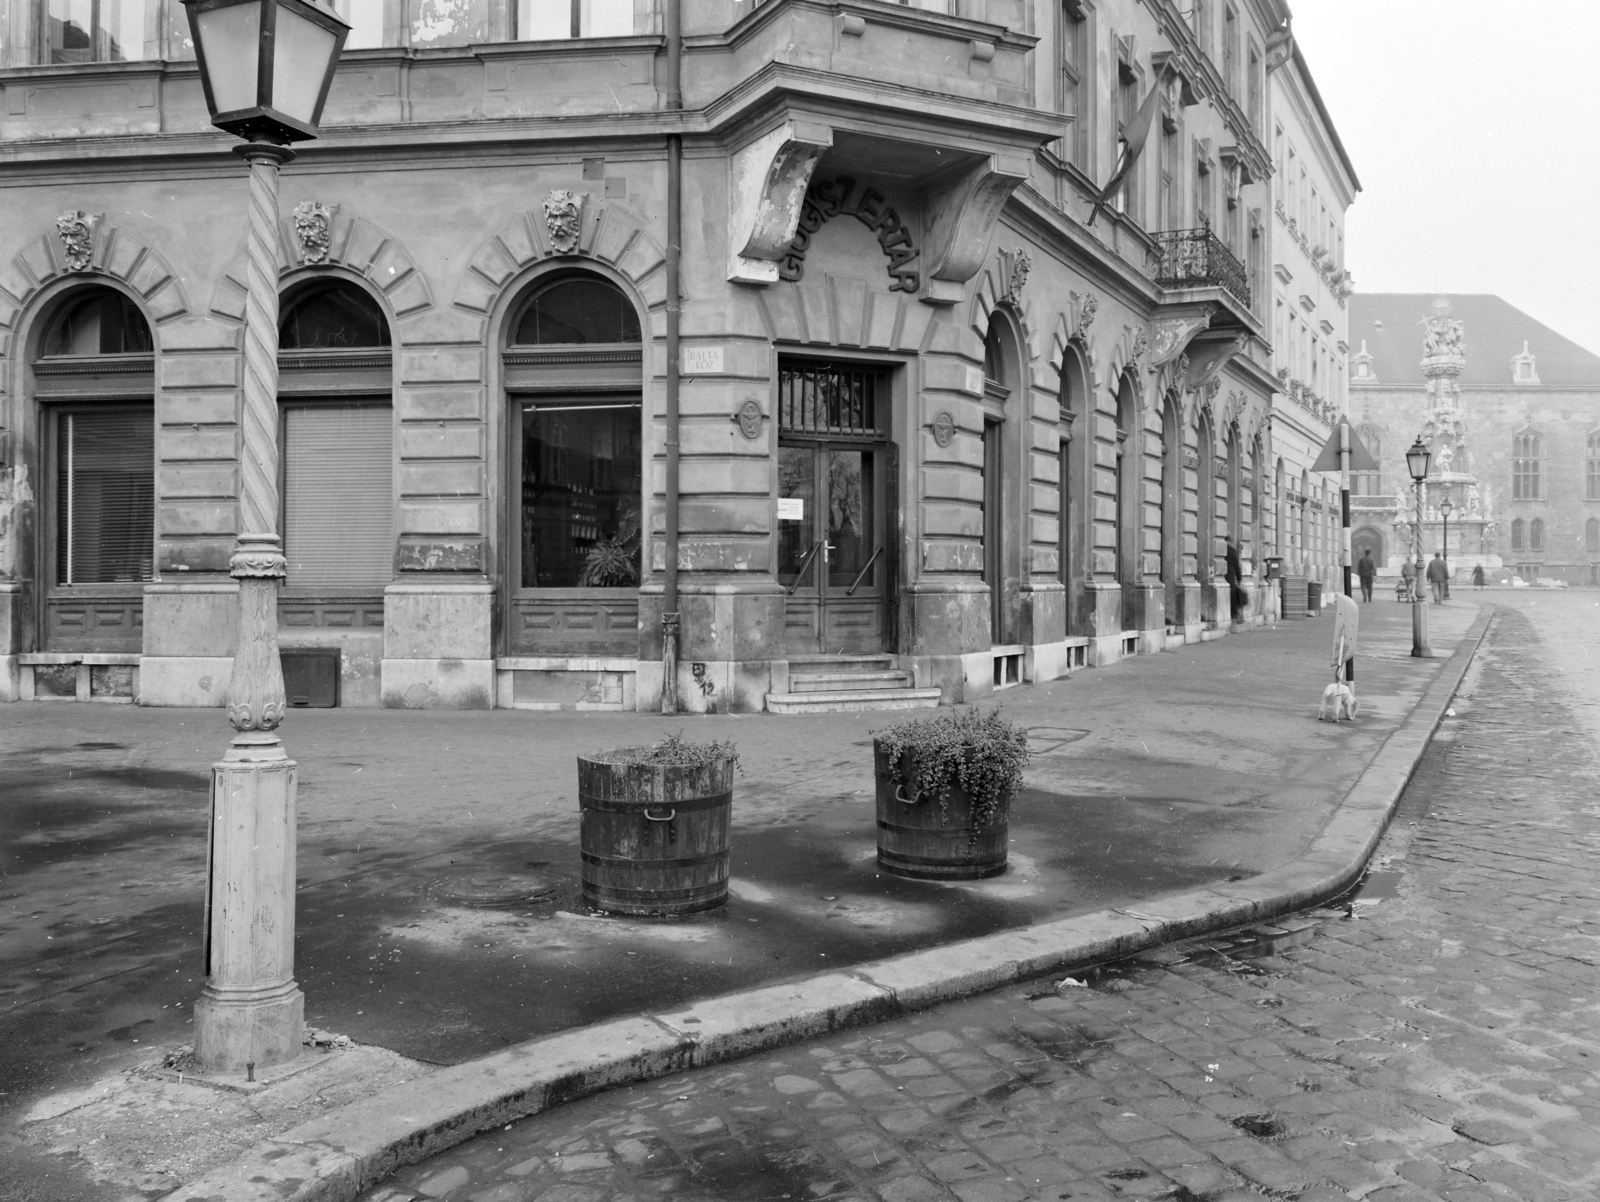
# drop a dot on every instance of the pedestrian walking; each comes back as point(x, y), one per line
point(1366, 570)
point(1438, 574)
point(1477, 576)
point(1408, 580)
point(1234, 574)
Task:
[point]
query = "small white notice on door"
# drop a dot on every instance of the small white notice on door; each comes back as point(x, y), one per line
point(791, 509)
point(703, 361)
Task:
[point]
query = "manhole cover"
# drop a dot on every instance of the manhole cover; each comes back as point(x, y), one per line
point(491, 888)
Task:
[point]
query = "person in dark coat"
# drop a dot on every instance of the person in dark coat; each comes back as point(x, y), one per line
point(1438, 574)
point(1367, 571)
point(1477, 576)
point(1234, 575)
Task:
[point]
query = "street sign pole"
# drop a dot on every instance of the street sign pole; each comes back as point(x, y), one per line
point(1344, 497)
point(1344, 453)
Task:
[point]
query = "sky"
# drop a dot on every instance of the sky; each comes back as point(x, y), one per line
point(1475, 130)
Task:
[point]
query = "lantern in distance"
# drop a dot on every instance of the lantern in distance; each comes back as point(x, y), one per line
point(266, 65)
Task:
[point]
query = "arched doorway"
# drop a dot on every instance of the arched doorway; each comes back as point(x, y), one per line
point(94, 381)
point(1172, 556)
point(1001, 373)
point(573, 370)
point(1075, 465)
point(1367, 539)
point(1205, 551)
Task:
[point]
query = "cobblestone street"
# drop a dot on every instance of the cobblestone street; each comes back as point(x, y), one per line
point(1436, 1039)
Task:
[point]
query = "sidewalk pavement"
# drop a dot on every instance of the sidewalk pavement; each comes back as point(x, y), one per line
point(1169, 794)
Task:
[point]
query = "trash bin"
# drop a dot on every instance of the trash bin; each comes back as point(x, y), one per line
point(1313, 598)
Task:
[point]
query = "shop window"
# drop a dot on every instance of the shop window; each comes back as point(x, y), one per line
point(105, 494)
point(541, 20)
point(338, 444)
point(580, 455)
point(338, 503)
point(95, 31)
point(1517, 528)
point(1525, 454)
point(1536, 535)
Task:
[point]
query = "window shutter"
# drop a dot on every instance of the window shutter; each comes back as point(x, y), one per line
point(107, 495)
point(338, 498)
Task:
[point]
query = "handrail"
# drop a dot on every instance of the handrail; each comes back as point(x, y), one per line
point(865, 568)
point(804, 564)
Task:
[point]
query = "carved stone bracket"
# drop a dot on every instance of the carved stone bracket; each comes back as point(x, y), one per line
point(767, 184)
point(313, 227)
point(1208, 356)
point(76, 229)
point(563, 218)
point(1016, 267)
point(1173, 334)
point(961, 217)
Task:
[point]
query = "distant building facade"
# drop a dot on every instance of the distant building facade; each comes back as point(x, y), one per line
point(932, 417)
point(1511, 411)
point(1314, 185)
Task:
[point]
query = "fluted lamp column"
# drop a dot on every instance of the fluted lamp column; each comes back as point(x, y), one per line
point(266, 66)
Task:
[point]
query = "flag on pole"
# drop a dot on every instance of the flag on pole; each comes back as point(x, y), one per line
point(1129, 143)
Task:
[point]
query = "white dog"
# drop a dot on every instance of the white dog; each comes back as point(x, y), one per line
point(1342, 699)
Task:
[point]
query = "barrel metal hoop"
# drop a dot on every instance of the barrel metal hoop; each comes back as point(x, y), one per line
point(936, 862)
point(589, 857)
point(686, 806)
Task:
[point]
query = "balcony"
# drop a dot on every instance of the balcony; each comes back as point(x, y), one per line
point(1199, 259)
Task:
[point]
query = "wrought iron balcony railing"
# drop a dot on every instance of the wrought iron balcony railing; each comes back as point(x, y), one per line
point(1199, 259)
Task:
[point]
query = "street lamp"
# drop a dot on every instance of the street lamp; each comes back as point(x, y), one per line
point(1444, 508)
point(1417, 459)
point(266, 66)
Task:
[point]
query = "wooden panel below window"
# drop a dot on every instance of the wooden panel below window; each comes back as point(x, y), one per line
point(575, 622)
point(331, 612)
point(94, 622)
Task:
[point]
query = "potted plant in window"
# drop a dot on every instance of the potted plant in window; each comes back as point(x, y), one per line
point(653, 827)
point(944, 790)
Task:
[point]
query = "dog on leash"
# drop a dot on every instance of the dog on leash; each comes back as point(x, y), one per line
point(1341, 699)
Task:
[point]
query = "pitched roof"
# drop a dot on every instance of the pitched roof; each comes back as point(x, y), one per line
point(1493, 332)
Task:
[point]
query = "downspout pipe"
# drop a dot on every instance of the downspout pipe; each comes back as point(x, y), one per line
point(669, 598)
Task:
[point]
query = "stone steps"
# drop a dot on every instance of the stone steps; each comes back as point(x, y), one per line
point(839, 701)
point(833, 682)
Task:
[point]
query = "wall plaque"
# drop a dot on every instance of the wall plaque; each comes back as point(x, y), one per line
point(871, 208)
point(944, 427)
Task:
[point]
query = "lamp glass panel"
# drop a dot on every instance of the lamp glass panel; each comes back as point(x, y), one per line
point(299, 63)
point(230, 38)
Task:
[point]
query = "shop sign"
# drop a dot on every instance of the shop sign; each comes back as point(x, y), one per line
point(871, 208)
point(703, 361)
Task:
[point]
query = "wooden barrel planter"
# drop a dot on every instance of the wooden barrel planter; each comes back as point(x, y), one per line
point(918, 838)
point(654, 838)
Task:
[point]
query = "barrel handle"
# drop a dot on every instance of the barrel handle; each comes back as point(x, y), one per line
point(899, 795)
point(652, 818)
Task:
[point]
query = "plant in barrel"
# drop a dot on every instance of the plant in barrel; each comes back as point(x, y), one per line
point(944, 789)
point(653, 827)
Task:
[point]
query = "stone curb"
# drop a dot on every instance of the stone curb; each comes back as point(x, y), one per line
point(334, 1157)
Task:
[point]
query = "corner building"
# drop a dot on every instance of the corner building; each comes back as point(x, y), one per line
point(937, 429)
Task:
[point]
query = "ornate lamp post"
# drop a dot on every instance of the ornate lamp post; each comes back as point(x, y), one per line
point(266, 66)
point(1417, 460)
point(1445, 508)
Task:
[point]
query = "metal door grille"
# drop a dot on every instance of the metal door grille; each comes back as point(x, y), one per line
point(827, 398)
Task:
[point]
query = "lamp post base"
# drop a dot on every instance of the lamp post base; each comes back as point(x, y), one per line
point(1420, 648)
point(235, 1029)
point(250, 1011)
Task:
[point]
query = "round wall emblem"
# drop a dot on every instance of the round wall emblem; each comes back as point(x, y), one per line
point(749, 419)
point(944, 427)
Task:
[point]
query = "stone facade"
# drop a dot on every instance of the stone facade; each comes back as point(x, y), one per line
point(1068, 416)
point(1517, 395)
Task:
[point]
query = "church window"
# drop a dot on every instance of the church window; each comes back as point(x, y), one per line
point(1525, 454)
point(1591, 468)
point(1591, 536)
point(1517, 528)
point(1369, 484)
point(1536, 535)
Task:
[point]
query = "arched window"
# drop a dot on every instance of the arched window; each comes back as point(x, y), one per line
point(998, 357)
point(1517, 527)
point(333, 316)
point(1536, 535)
point(583, 310)
point(574, 383)
point(1591, 535)
point(1526, 451)
point(1591, 467)
point(335, 388)
point(95, 382)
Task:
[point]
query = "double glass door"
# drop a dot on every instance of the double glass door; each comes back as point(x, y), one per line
point(833, 556)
